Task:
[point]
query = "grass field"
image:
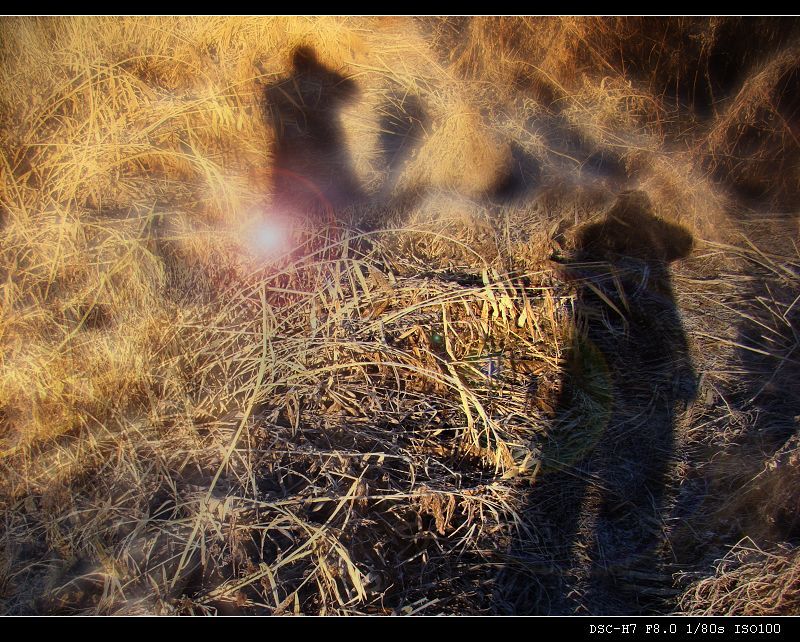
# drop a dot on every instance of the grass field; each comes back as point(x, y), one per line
point(399, 315)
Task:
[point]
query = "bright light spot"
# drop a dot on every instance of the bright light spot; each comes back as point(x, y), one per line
point(269, 236)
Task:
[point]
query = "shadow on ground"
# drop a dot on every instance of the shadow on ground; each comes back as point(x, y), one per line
point(598, 509)
point(599, 506)
point(312, 168)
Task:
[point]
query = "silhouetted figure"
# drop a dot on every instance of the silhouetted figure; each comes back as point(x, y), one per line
point(402, 127)
point(402, 124)
point(312, 168)
point(598, 504)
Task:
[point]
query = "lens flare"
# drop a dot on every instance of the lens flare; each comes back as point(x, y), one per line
point(269, 236)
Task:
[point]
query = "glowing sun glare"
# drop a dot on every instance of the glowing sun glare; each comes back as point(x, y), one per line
point(270, 236)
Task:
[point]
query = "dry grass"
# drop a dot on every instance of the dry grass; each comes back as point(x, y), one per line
point(749, 581)
point(350, 424)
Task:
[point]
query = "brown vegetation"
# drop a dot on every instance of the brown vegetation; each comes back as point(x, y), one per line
point(384, 315)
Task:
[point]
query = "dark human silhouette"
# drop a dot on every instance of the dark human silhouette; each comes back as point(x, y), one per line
point(402, 127)
point(599, 503)
point(312, 169)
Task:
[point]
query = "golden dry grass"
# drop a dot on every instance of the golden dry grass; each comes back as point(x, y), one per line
point(187, 426)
